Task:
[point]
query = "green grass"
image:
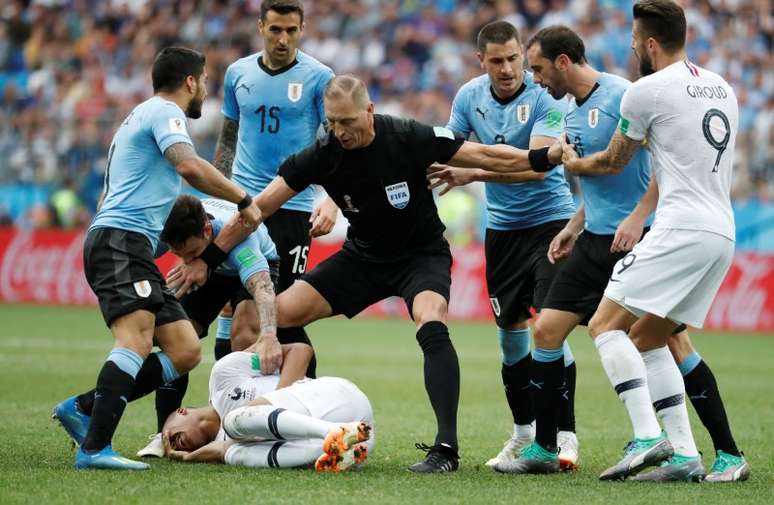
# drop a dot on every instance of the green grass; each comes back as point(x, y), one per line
point(47, 354)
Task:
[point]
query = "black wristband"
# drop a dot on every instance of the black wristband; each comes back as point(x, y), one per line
point(213, 256)
point(538, 160)
point(245, 202)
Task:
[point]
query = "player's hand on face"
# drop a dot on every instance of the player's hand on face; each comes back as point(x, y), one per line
point(561, 246)
point(627, 235)
point(187, 277)
point(269, 352)
point(323, 218)
point(451, 176)
point(169, 451)
point(251, 215)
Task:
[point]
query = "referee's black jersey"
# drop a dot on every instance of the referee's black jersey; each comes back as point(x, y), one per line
point(382, 188)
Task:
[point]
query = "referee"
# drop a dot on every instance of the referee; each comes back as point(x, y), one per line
point(374, 167)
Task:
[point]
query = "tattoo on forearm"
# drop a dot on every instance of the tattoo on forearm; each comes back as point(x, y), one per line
point(225, 150)
point(177, 153)
point(620, 152)
point(262, 290)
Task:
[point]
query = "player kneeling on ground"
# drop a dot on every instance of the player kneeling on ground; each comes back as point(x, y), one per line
point(326, 422)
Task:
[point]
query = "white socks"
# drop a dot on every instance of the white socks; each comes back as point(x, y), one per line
point(625, 369)
point(280, 454)
point(668, 393)
point(268, 421)
point(524, 430)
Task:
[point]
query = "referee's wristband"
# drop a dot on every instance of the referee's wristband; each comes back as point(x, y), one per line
point(538, 160)
point(213, 256)
point(245, 202)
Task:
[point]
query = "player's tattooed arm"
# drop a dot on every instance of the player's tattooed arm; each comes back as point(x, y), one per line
point(610, 161)
point(262, 290)
point(225, 149)
point(268, 347)
point(179, 153)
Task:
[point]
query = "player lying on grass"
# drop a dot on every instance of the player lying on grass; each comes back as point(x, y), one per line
point(324, 422)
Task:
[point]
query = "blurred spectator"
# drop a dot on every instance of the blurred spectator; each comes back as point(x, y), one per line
point(71, 70)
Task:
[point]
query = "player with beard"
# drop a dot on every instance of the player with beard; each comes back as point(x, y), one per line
point(149, 153)
point(597, 237)
point(689, 117)
point(374, 167)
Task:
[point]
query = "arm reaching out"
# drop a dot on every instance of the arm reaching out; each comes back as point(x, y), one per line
point(501, 157)
point(610, 161)
point(268, 347)
point(629, 232)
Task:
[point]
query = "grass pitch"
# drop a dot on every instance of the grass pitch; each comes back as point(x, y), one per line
point(47, 354)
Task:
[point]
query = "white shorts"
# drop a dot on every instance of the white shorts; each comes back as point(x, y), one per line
point(331, 399)
point(674, 274)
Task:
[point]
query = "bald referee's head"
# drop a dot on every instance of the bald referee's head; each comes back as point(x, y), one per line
point(349, 111)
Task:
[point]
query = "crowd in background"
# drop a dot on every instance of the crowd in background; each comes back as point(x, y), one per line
point(71, 70)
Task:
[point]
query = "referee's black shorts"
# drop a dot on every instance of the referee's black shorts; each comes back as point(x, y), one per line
point(350, 283)
point(518, 273)
point(120, 270)
point(204, 304)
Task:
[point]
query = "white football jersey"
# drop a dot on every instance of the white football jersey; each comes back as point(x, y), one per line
point(234, 382)
point(689, 117)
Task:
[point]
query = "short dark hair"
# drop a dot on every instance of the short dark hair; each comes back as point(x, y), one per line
point(187, 219)
point(173, 65)
point(496, 32)
point(663, 20)
point(558, 39)
point(282, 7)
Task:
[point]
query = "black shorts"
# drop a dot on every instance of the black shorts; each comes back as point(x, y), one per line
point(289, 230)
point(120, 270)
point(204, 304)
point(350, 284)
point(518, 273)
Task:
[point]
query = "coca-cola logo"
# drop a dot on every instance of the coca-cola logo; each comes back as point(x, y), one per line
point(43, 267)
point(744, 303)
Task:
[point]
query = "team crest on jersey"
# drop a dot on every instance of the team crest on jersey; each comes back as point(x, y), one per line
point(398, 195)
point(142, 288)
point(522, 113)
point(495, 305)
point(294, 91)
point(593, 117)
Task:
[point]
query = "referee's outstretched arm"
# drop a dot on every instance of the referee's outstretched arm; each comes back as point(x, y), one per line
point(274, 196)
point(505, 158)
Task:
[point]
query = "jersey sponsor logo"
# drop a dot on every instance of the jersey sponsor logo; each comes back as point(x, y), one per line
point(522, 113)
point(495, 305)
point(243, 85)
point(623, 125)
point(247, 258)
point(294, 91)
point(440, 131)
point(177, 125)
point(482, 112)
point(142, 288)
point(593, 117)
point(554, 119)
point(398, 194)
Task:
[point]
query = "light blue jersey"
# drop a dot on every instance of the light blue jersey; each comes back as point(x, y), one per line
point(590, 125)
point(140, 184)
point(250, 256)
point(278, 113)
point(531, 112)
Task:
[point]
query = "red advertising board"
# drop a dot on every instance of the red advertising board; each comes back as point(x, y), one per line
point(47, 267)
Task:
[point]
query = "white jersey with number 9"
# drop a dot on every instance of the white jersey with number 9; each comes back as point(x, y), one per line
point(689, 117)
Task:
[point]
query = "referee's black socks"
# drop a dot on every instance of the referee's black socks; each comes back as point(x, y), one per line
point(114, 386)
point(442, 378)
